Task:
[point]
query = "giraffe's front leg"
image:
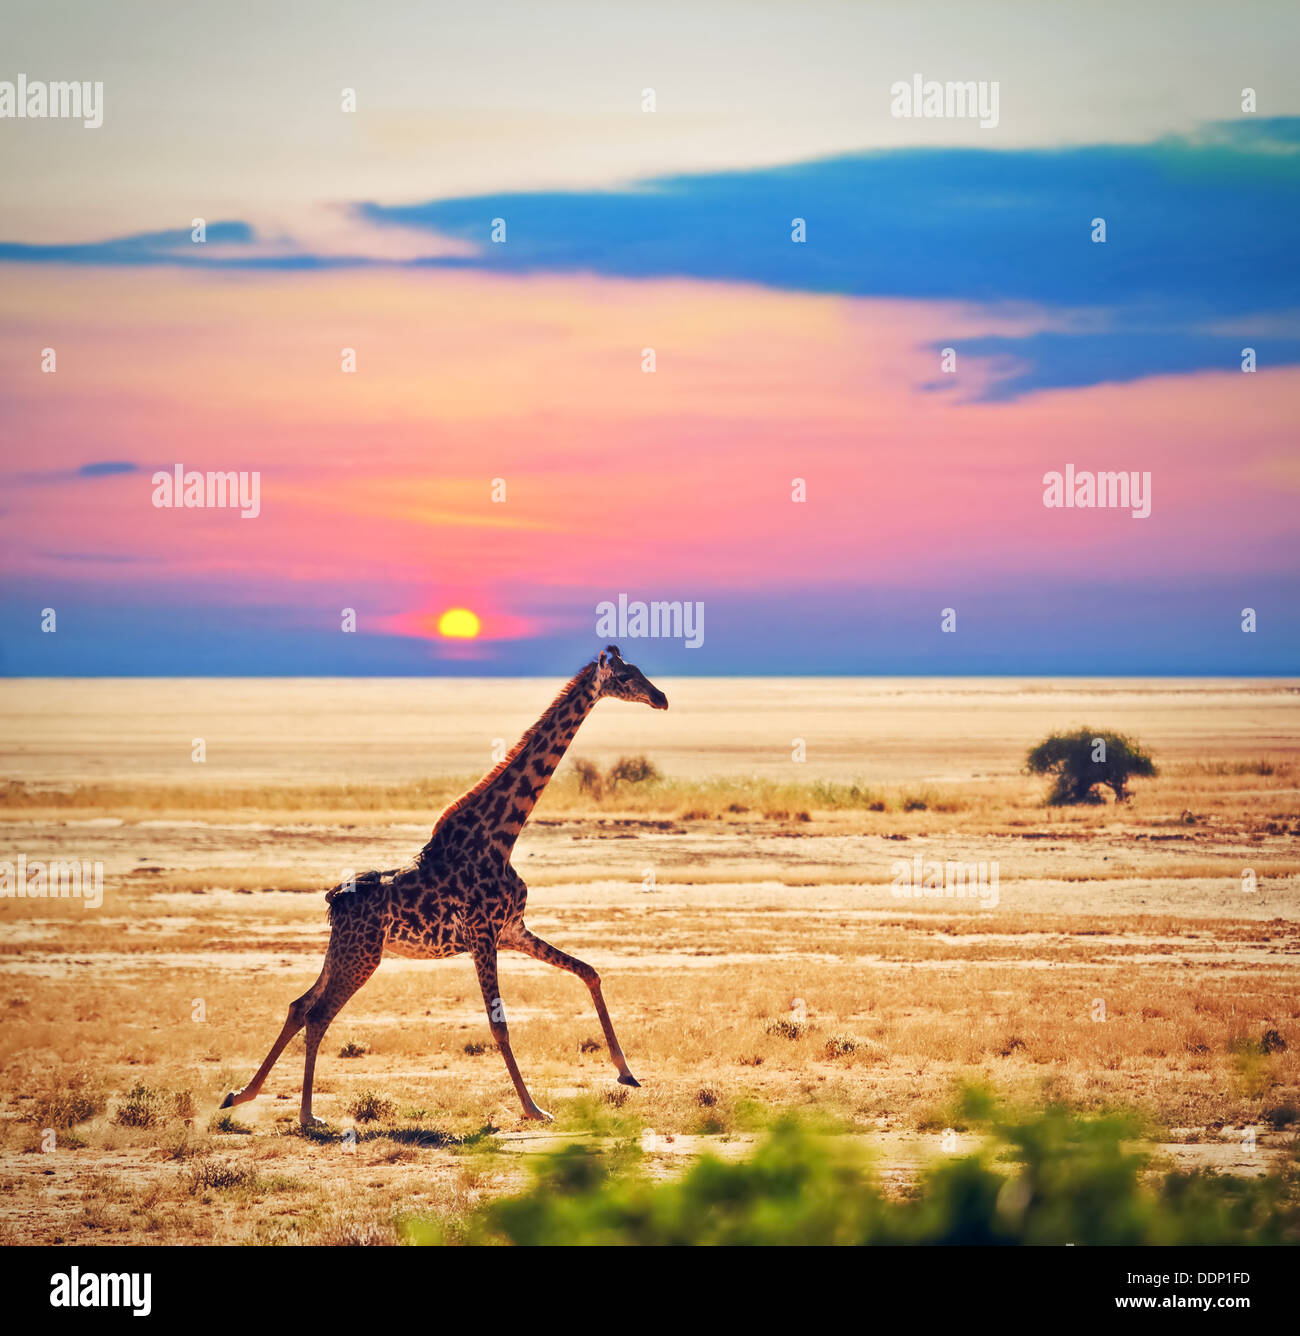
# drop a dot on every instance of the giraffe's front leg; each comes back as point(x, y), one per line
point(485, 961)
point(518, 938)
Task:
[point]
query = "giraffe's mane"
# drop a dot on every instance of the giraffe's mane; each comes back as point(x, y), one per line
point(514, 751)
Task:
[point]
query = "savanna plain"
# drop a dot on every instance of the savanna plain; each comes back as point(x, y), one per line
point(739, 903)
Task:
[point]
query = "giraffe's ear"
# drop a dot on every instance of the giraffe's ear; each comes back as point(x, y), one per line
point(602, 668)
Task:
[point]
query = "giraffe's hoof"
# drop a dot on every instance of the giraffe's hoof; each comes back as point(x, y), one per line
point(538, 1115)
point(628, 1079)
point(229, 1101)
point(313, 1123)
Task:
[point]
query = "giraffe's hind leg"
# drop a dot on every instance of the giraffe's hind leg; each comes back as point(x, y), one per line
point(485, 961)
point(297, 1018)
point(347, 967)
point(519, 938)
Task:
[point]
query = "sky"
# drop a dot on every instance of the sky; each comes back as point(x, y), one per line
point(523, 309)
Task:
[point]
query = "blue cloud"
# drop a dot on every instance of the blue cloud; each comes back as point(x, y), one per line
point(105, 468)
point(177, 248)
point(1199, 234)
point(1207, 223)
point(99, 468)
point(173, 247)
point(1054, 359)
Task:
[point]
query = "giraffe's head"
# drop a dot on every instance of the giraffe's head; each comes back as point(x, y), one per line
point(625, 681)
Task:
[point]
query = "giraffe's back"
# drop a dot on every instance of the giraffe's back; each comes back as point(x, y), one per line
point(433, 907)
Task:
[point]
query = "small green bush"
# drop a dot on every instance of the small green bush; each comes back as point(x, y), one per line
point(1051, 1177)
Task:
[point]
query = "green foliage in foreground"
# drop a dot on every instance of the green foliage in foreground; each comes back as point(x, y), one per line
point(1050, 1177)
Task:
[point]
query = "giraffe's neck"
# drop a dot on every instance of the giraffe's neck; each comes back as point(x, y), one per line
point(500, 805)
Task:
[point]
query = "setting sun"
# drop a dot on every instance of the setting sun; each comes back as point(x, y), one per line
point(458, 624)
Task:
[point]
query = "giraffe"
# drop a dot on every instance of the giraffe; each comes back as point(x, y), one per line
point(460, 892)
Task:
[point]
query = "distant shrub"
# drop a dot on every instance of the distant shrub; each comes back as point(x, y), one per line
point(1250, 1061)
point(182, 1145)
point(211, 1175)
point(368, 1107)
point(1086, 760)
point(1052, 1177)
point(143, 1108)
point(786, 1028)
point(226, 1121)
point(589, 778)
point(1259, 767)
point(68, 1099)
point(355, 1231)
point(475, 1048)
point(631, 770)
point(841, 1045)
point(829, 795)
point(353, 1050)
point(626, 770)
point(146, 1107)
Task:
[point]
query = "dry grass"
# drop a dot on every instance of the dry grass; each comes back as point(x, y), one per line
point(1207, 791)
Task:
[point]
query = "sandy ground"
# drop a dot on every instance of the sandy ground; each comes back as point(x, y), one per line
point(874, 729)
point(1125, 963)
